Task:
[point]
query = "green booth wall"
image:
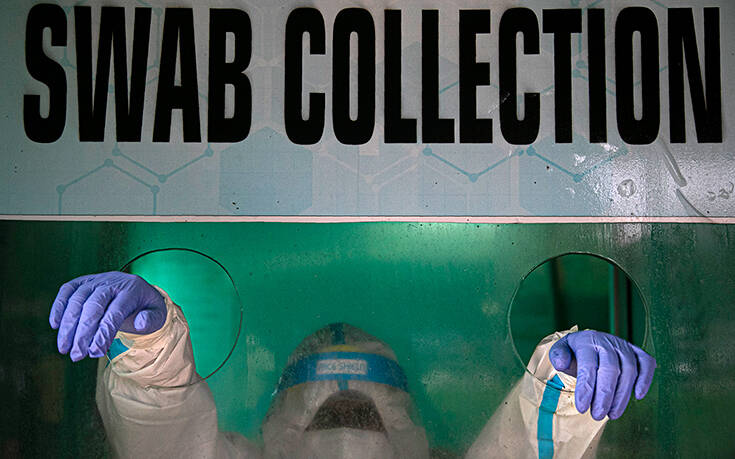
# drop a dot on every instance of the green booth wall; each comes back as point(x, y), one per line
point(439, 294)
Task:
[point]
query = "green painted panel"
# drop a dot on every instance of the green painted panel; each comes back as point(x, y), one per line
point(438, 293)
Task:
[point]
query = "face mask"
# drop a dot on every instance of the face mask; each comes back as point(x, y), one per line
point(344, 443)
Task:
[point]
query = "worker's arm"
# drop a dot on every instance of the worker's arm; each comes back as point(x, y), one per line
point(143, 413)
point(575, 382)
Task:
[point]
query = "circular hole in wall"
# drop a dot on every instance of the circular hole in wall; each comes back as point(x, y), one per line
point(207, 295)
point(576, 289)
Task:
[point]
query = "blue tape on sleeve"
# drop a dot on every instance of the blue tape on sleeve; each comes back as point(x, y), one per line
point(344, 366)
point(545, 427)
point(116, 348)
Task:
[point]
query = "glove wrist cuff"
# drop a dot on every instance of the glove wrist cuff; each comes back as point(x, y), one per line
point(133, 340)
point(540, 365)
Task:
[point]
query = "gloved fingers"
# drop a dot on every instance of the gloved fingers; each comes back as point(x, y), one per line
point(92, 312)
point(561, 355)
point(59, 304)
point(149, 320)
point(626, 381)
point(587, 361)
point(607, 380)
point(70, 318)
point(114, 316)
point(646, 367)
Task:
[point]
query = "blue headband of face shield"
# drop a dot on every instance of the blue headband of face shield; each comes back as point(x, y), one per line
point(344, 366)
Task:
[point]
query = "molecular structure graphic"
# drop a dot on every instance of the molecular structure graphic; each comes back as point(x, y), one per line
point(117, 153)
point(578, 72)
point(123, 162)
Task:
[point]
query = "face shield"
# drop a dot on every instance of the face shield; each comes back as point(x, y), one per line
point(343, 395)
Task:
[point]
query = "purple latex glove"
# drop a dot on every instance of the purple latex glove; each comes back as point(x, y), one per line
point(89, 310)
point(607, 369)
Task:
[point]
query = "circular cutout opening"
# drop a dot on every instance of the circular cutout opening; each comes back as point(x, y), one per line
point(576, 289)
point(206, 293)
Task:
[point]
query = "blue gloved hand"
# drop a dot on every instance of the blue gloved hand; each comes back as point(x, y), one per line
point(89, 310)
point(607, 369)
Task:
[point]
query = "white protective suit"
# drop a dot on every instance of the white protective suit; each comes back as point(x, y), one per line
point(536, 420)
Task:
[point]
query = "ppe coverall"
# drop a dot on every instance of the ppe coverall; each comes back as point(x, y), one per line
point(535, 420)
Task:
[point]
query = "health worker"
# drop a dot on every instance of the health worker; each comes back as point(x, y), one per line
point(342, 394)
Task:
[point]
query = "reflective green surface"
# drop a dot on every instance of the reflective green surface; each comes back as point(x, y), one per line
point(438, 293)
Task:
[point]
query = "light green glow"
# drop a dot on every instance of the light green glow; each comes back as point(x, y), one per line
point(204, 292)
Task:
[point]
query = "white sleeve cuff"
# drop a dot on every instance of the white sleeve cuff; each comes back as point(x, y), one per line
point(161, 358)
point(137, 341)
point(540, 366)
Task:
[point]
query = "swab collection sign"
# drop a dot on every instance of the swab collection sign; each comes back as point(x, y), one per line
point(379, 108)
